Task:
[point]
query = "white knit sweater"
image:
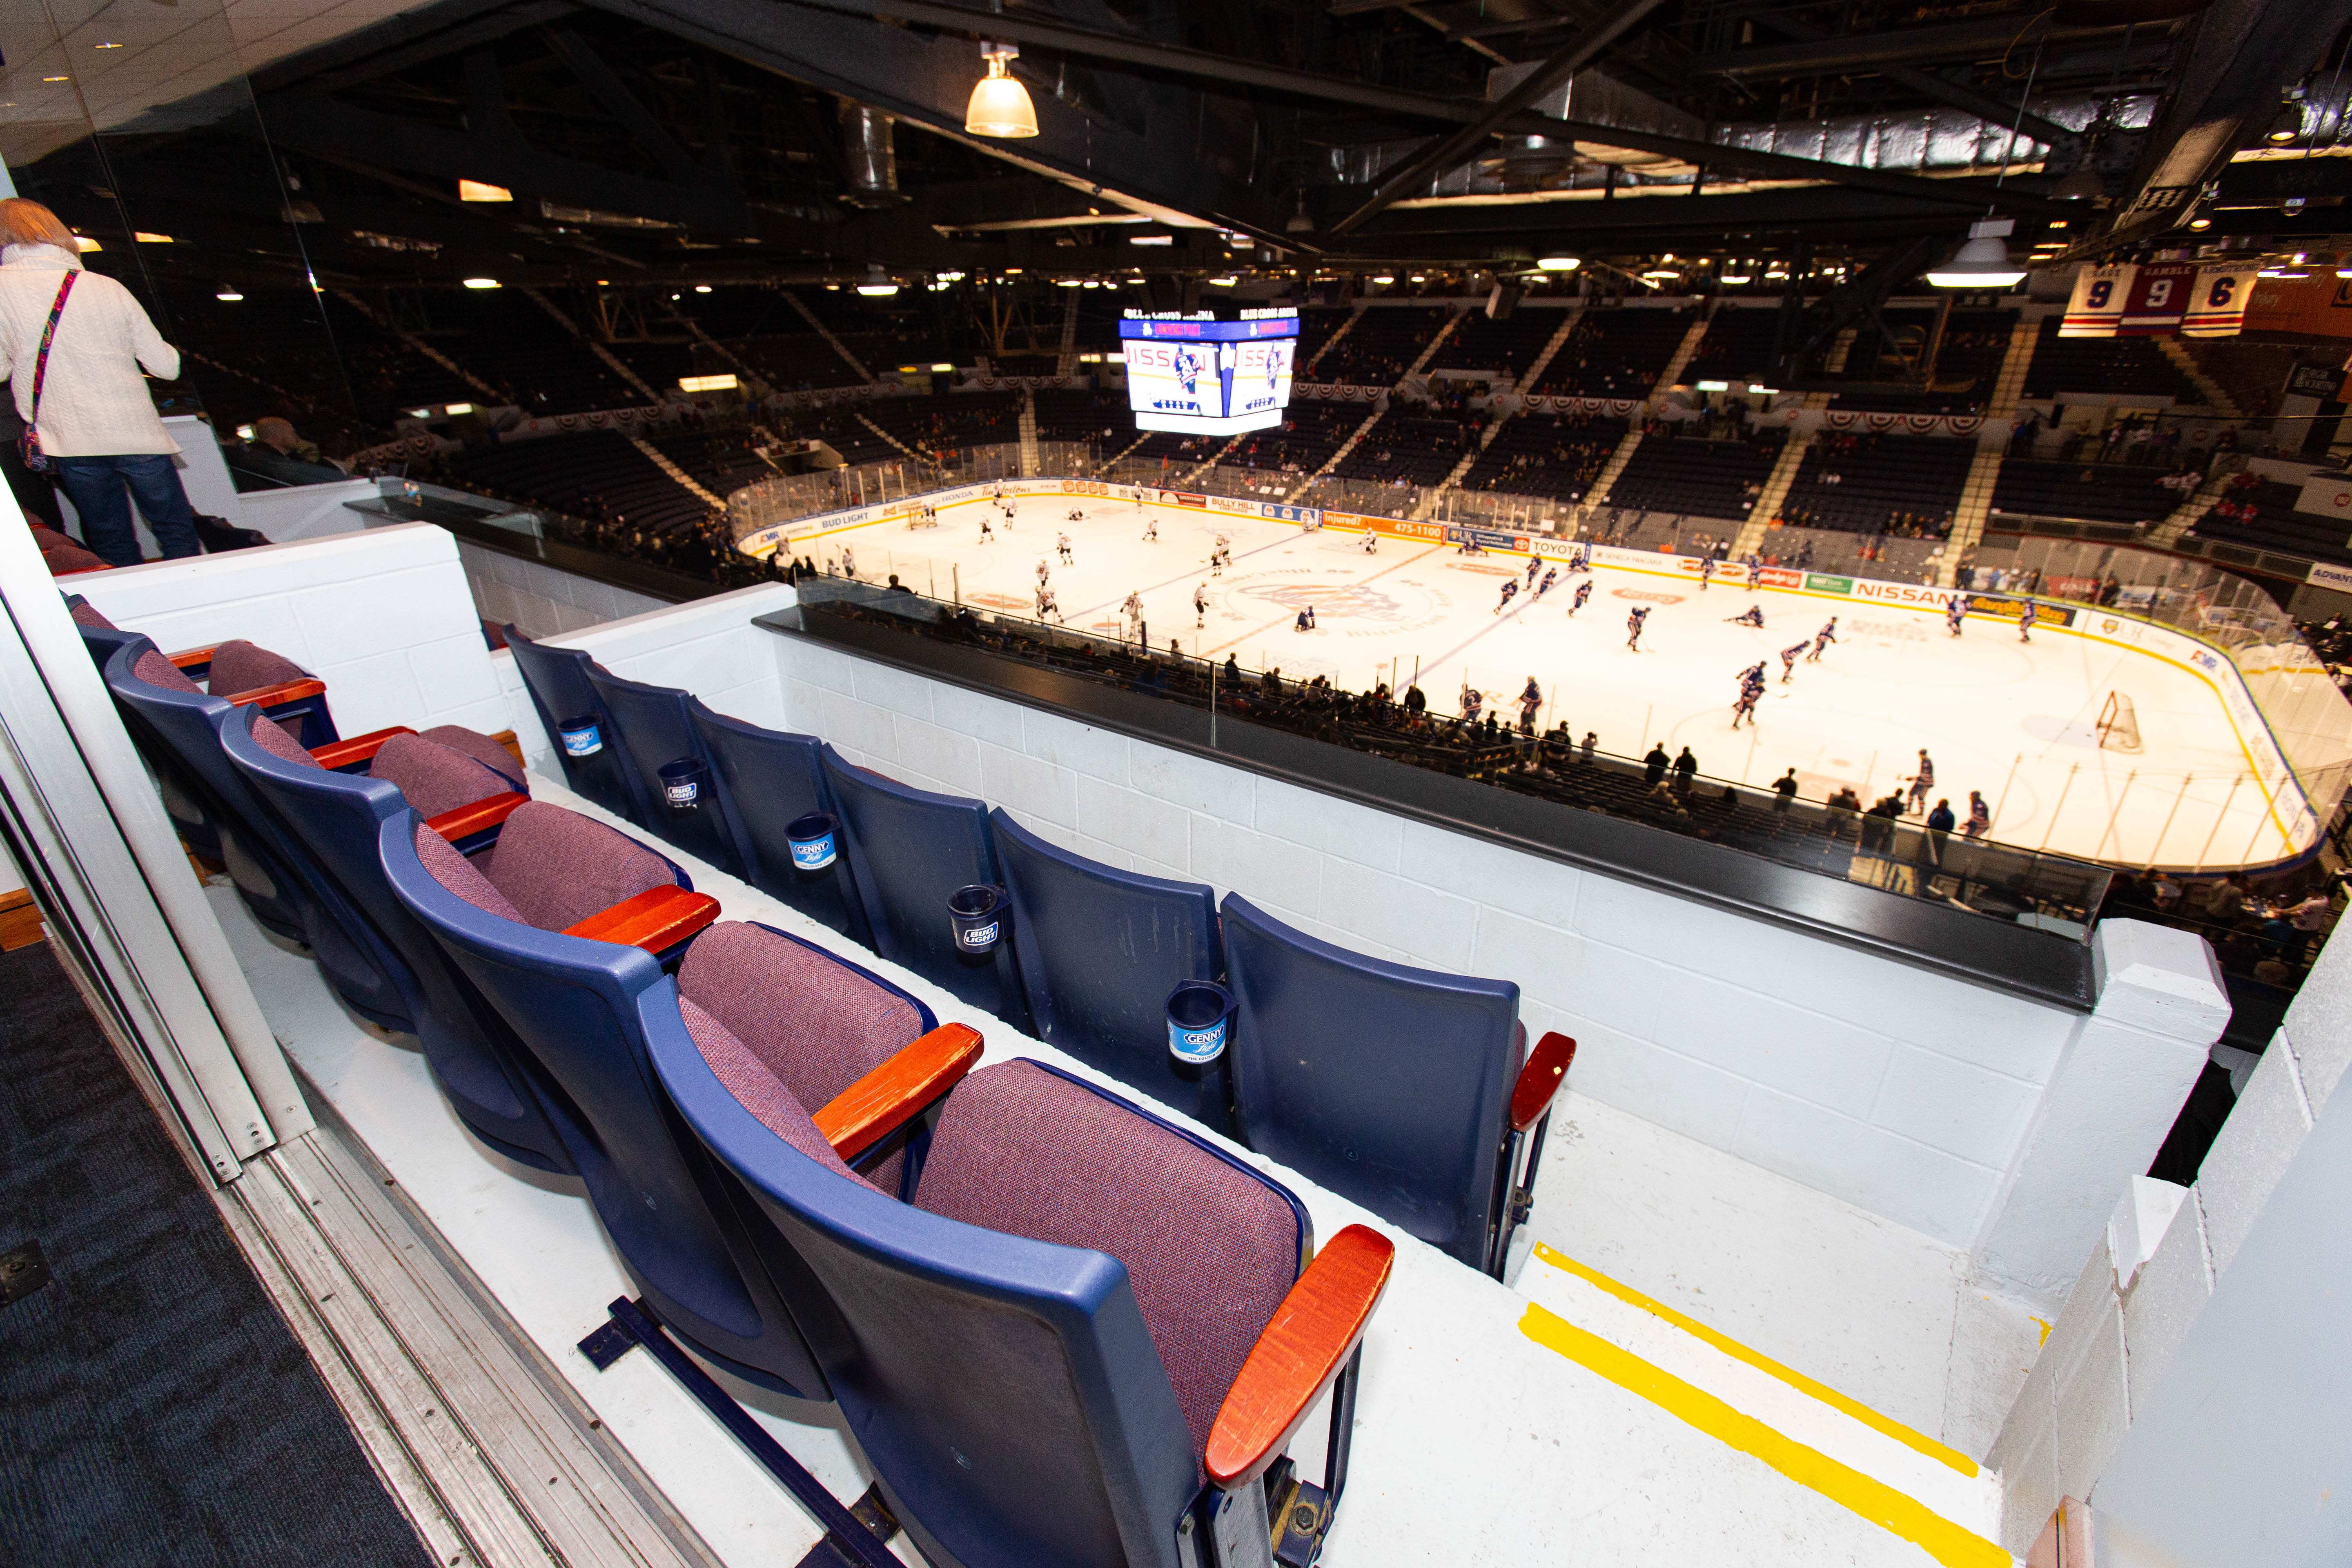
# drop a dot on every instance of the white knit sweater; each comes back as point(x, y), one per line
point(93, 403)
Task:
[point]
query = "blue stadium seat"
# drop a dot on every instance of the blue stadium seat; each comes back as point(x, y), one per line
point(342, 819)
point(1401, 1088)
point(765, 779)
point(588, 1011)
point(557, 679)
point(1098, 951)
point(1043, 1351)
point(278, 884)
point(652, 729)
point(182, 797)
point(909, 849)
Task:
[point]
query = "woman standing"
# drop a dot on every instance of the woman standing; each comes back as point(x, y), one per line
point(89, 408)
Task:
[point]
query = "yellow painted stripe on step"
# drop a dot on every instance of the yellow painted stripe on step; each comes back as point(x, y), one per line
point(1874, 1500)
point(1762, 1362)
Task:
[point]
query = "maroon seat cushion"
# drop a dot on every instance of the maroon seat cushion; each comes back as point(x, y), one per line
point(432, 777)
point(482, 749)
point(457, 874)
point(558, 868)
point(239, 666)
point(65, 556)
point(1210, 1250)
point(759, 1091)
point(86, 613)
point(272, 738)
point(158, 671)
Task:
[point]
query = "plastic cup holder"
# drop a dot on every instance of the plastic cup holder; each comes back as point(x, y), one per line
point(811, 837)
point(581, 737)
point(1200, 1021)
point(979, 914)
point(681, 784)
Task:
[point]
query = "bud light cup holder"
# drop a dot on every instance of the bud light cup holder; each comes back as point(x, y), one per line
point(681, 784)
point(978, 913)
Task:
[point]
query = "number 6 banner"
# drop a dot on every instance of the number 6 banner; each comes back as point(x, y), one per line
point(2158, 297)
point(2218, 307)
point(2097, 308)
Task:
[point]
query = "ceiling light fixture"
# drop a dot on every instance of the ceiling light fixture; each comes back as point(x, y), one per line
point(1000, 106)
point(482, 191)
point(2200, 224)
point(481, 282)
point(1737, 278)
point(2287, 126)
point(86, 245)
point(1983, 262)
point(1385, 279)
point(725, 381)
point(877, 284)
point(702, 288)
point(1223, 282)
point(1559, 264)
point(228, 295)
point(143, 238)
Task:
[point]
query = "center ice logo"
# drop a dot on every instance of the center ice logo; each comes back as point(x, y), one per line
point(1354, 599)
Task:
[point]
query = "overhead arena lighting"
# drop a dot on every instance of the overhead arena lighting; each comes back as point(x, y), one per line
point(143, 238)
point(2286, 127)
point(877, 284)
point(84, 244)
point(230, 295)
point(1657, 273)
point(481, 282)
point(1384, 279)
point(1223, 282)
point(1559, 264)
point(458, 408)
point(702, 288)
point(726, 383)
point(1736, 277)
point(942, 369)
point(1983, 262)
point(482, 191)
point(1000, 106)
point(1069, 282)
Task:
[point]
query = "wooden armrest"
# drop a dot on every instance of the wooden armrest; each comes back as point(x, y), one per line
point(656, 919)
point(358, 749)
point(514, 748)
point(1304, 1348)
point(271, 696)
point(883, 1100)
point(1540, 1079)
point(485, 814)
point(189, 658)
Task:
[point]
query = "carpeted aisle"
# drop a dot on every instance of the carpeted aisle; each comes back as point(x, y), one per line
point(154, 1408)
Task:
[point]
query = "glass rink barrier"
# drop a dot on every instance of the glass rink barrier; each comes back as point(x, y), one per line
point(1998, 880)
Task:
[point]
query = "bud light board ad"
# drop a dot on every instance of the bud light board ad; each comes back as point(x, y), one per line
point(1197, 375)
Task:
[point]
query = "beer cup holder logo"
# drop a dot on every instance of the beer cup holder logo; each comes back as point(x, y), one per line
point(977, 914)
point(811, 837)
point(1200, 1020)
point(681, 784)
point(581, 737)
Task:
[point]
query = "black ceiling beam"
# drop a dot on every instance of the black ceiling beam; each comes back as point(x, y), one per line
point(1960, 95)
point(1028, 27)
point(1987, 37)
point(1449, 151)
point(1632, 222)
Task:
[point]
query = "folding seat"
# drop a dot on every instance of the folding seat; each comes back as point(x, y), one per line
point(1409, 1092)
point(1098, 949)
point(340, 819)
point(652, 730)
point(586, 993)
point(909, 850)
point(557, 679)
point(276, 883)
point(1085, 1337)
point(766, 780)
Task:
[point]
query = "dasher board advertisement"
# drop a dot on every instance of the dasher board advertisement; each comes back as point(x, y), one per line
point(1196, 375)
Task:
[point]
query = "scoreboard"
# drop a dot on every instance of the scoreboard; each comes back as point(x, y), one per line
point(1195, 374)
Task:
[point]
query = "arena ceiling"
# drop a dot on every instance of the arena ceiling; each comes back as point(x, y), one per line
point(670, 140)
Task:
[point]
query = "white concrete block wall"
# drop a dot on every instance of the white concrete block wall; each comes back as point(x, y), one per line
point(1904, 1092)
point(383, 617)
point(543, 601)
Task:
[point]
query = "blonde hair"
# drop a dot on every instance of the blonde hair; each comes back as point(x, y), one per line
point(25, 222)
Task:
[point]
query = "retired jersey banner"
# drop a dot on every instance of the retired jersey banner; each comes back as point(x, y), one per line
point(2217, 309)
point(2100, 293)
point(2159, 296)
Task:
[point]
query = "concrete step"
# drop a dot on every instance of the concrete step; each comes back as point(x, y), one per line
point(675, 472)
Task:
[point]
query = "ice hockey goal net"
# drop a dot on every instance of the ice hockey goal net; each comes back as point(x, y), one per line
point(2118, 723)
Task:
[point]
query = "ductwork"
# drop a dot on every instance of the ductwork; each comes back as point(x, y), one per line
point(869, 155)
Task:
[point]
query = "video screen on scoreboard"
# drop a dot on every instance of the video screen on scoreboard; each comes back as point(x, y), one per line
point(1198, 376)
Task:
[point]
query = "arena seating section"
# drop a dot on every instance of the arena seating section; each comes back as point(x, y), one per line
point(2274, 525)
point(1310, 432)
point(1616, 352)
point(1695, 477)
point(1879, 478)
point(1382, 346)
point(1737, 347)
point(1407, 447)
point(943, 426)
point(2096, 492)
point(721, 461)
point(2134, 365)
point(1510, 345)
point(595, 475)
point(1316, 326)
point(1554, 455)
point(1085, 417)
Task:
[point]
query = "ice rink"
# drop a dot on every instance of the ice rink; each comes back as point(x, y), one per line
point(2015, 721)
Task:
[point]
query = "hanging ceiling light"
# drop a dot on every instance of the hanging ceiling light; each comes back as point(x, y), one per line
point(2287, 126)
point(877, 284)
point(1000, 106)
point(1559, 264)
point(1983, 262)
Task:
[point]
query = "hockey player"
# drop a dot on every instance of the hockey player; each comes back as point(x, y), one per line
point(1753, 676)
point(1200, 606)
point(1753, 616)
point(1133, 608)
point(1821, 639)
point(1789, 659)
point(1473, 702)
point(1706, 572)
point(1530, 701)
point(849, 562)
point(1633, 627)
point(1372, 542)
point(1216, 562)
point(987, 534)
point(1510, 592)
point(1584, 562)
point(1923, 783)
point(2025, 617)
point(1535, 564)
point(1583, 592)
point(1955, 613)
point(1077, 515)
point(1550, 577)
point(1151, 530)
point(1745, 708)
point(1062, 543)
point(1042, 572)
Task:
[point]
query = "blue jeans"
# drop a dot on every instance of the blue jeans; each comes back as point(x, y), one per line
point(96, 488)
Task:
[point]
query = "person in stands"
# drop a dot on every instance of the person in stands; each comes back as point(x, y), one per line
point(97, 427)
point(277, 455)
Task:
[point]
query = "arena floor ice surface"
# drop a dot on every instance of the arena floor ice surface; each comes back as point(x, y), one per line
point(2015, 721)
